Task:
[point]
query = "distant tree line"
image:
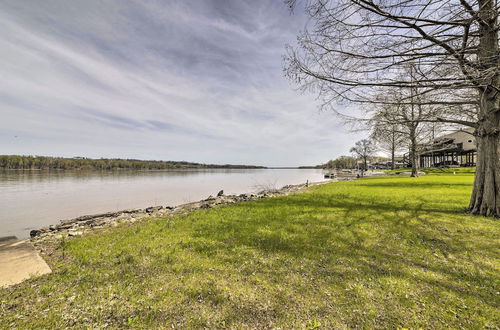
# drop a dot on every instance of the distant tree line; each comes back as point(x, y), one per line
point(80, 163)
point(342, 162)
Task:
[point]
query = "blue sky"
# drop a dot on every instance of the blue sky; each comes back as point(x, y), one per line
point(195, 80)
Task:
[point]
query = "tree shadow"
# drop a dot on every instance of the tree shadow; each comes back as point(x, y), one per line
point(416, 183)
point(365, 232)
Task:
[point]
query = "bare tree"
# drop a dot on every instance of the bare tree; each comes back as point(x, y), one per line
point(364, 149)
point(353, 48)
point(410, 120)
point(389, 138)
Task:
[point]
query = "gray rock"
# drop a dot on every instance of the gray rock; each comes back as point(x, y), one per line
point(80, 225)
point(34, 233)
point(153, 209)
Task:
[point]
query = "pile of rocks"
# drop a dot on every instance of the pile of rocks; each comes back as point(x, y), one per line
point(81, 225)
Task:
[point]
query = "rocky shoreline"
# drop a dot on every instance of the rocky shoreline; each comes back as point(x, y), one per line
point(88, 223)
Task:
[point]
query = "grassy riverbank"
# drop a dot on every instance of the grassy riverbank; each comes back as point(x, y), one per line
point(378, 252)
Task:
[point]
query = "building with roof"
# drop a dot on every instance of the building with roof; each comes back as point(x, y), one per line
point(455, 149)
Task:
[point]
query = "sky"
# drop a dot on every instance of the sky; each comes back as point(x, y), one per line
point(194, 80)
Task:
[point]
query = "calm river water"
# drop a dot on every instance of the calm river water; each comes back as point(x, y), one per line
point(33, 199)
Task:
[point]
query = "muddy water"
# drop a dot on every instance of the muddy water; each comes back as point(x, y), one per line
point(33, 199)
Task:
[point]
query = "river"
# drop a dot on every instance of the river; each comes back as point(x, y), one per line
point(33, 199)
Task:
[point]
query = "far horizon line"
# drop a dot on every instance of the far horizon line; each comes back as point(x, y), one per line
point(162, 160)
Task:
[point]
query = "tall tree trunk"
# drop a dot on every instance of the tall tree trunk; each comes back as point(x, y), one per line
point(364, 166)
point(393, 156)
point(413, 153)
point(485, 198)
point(393, 149)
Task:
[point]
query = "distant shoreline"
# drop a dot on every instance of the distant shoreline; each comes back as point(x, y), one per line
point(160, 169)
point(22, 162)
point(138, 170)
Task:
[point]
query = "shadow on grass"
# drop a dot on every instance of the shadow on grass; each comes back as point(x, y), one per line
point(418, 205)
point(337, 252)
point(376, 238)
point(419, 184)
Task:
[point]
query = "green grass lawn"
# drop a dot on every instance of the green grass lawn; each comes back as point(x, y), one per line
point(439, 171)
point(382, 252)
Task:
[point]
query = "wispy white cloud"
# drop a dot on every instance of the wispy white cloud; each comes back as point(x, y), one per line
point(192, 80)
